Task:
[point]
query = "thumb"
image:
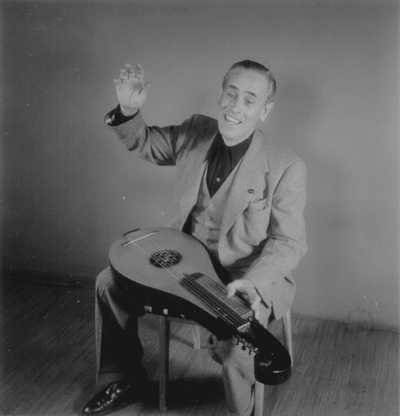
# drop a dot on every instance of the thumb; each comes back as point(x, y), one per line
point(231, 290)
point(145, 89)
point(255, 306)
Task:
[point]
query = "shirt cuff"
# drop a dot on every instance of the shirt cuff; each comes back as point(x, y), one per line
point(115, 117)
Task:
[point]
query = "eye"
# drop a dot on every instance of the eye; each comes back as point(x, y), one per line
point(249, 103)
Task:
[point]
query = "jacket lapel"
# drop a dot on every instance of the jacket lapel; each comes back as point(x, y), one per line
point(248, 183)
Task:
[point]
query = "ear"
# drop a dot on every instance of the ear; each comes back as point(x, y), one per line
point(265, 111)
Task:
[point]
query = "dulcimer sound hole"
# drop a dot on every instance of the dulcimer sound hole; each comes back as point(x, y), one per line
point(165, 258)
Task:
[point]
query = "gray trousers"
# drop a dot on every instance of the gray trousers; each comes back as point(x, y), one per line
point(119, 351)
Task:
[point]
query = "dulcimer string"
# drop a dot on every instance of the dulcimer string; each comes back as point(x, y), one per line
point(185, 276)
point(230, 309)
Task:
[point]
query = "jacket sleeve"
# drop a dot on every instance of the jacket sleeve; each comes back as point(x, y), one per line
point(285, 244)
point(159, 145)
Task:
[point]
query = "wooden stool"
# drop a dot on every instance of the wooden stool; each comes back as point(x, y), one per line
point(164, 335)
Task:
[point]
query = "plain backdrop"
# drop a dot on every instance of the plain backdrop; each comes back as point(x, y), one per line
point(69, 188)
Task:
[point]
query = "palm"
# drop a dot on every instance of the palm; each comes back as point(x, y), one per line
point(130, 88)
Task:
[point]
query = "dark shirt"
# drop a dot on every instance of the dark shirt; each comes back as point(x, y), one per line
point(222, 160)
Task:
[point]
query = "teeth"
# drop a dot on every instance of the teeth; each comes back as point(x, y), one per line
point(231, 120)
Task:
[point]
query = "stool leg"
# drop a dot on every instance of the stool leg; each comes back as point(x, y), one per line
point(196, 337)
point(258, 398)
point(287, 332)
point(163, 360)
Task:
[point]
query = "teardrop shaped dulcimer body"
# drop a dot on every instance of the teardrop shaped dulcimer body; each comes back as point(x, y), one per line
point(176, 266)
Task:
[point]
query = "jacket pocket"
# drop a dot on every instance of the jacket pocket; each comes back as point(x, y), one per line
point(255, 222)
point(259, 205)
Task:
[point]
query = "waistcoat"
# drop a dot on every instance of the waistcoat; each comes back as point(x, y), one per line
point(207, 216)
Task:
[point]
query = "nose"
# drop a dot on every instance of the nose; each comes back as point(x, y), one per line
point(235, 105)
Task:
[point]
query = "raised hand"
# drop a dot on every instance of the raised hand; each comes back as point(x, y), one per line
point(131, 89)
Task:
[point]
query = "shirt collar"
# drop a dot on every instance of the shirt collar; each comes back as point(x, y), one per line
point(237, 149)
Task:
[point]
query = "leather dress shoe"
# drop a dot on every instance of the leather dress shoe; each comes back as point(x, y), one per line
point(112, 396)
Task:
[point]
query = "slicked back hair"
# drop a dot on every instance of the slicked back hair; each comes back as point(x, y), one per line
point(256, 67)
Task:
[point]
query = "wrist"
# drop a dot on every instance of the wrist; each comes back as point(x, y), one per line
point(127, 111)
point(116, 117)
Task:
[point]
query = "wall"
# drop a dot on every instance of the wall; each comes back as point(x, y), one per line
point(69, 189)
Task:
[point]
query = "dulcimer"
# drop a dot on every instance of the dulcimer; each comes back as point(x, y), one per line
point(175, 265)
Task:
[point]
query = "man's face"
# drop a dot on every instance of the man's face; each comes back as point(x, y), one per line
point(241, 104)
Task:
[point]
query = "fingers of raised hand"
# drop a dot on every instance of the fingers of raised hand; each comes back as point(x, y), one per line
point(126, 74)
point(122, 77)
point(139, 72)
point(131, 74)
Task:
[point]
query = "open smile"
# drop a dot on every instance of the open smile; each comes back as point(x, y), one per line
point(232, 120)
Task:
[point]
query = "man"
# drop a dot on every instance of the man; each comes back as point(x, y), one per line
point(238, 193)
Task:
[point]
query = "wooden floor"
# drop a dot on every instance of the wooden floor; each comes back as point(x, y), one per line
point(48, 359)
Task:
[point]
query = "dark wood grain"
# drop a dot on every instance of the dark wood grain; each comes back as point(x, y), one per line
point(48, 361)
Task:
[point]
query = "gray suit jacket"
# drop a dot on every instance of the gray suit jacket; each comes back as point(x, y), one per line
point(263, 234)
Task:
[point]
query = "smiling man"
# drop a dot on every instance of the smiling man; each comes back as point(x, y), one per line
point(241, 195)
point(245, 100)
